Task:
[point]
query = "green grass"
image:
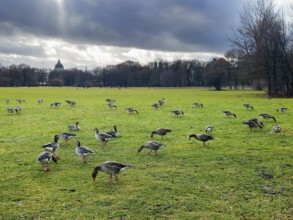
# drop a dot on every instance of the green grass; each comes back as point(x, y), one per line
point(242, 174)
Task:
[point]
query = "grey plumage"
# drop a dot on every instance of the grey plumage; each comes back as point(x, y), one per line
point(228, 113)
point(110, 167)
point(267, 116)
point(152, 145)
point(202, 137)
point(82, 151)
point(160, 131)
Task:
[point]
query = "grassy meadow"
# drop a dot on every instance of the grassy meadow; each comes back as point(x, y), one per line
point(242, 174)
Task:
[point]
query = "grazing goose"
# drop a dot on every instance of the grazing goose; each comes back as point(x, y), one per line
point(202, 137)
point(55, 104)
point(74, 127)
point(7, 101)
point(40, 101)
point(103, 137)
point(161, 101)
point(82, 151)
point(130, 110)
point(111, 105)
point(110, 100)
point(52, 147)
point(277, 129)
point(110, 167)
point(198, 105)
point(18, 109)
point(267, 116)
point(228, 113)
point(10, 110)
point(45, 158)
point(66, 136)
point(152, 145)
point(70, 102)
point(247, 106)
point(114, 132)
point(160, 131)
point(253, 123)
point(156, 105)
point(209, 129)
point(20, 100)
point(282, 109)
point(177, 112)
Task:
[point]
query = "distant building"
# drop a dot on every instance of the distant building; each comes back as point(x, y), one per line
point(59, 66)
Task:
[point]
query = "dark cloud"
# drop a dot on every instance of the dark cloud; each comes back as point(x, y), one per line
point(166, 25)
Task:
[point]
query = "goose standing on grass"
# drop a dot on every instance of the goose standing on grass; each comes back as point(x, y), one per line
point(201, 137)
point(131, 110)
point(45, 158)
point(71, 102)
point(161, 101)
point(111, 105)
point(177, 112)
point(40, 101)
point(110, 100)
point(282, 109)
point(55, 104)
point(197, 104)
point(82, 151)
point(53, 147)
point(253, 123)
point(103, 137)
point(267, 116)
point(152, 145)
point(114, 132)
point(67, 136)
point(156, 105)
point(74, 127)
point(277, 129)
point(10, 110)
point(228, 113)
point(160, 131)
point(110, 167)
point(209, 129)
point(18, 109)
point(247, 106)
point(7, 101)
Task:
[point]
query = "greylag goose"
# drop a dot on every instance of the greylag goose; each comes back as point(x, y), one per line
point(152, 145)
point(202, 137)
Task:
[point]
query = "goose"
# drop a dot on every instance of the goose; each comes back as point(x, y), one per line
point(160, 131)
point(111, 105)
point(130, 110)
point(267, 116)
point(161, 101)
point(103, 137)
point(20, 100)
point(110, 100)
point(201, 137)
point(74, 127)
point(18, 109)
point(67, 136)
point(247, 106)
point(209, 128)
point(152, 145)
point(45, 158)
point(253, 123)
point(40, 101)
point(55, 104)
point(52, 147)
point(7, 101)
point(114, 132)
point(277, 129)
point(110, 167)
point(228, 113)
point(282, 109)
point(82, 151)
point(177, 112)
point(10, 110)
point(71, 102)
point(156, 105)
point(198, 105)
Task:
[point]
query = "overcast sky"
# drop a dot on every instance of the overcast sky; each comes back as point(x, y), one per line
point(96, 33)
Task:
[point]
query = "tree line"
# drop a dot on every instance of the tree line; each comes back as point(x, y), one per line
point(261, 56)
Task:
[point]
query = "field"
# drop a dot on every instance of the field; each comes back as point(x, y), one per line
point(241, 174)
